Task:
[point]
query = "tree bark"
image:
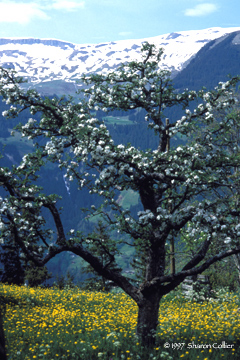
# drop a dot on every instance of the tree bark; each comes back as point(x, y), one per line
point(150, 296)
point(148, 319)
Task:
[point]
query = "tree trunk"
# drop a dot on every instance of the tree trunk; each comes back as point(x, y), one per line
point(148, 319)
point(150, 296)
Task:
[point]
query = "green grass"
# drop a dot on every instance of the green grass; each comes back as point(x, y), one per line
point(123, 120)
point(55, 87)
point(128, 198)
point(74, 324)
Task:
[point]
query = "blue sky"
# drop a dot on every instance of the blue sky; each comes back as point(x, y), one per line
point(95, 21)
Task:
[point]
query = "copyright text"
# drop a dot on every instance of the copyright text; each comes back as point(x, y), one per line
point(193, 345)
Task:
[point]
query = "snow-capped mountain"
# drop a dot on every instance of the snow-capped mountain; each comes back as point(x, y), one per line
point(214, 63)
point(44, 60)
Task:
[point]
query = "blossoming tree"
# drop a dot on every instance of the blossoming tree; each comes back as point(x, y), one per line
point(187, 188)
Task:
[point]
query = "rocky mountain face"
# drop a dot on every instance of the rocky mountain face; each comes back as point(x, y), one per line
point(196, 59)
point(45, 61)
point(215, 62)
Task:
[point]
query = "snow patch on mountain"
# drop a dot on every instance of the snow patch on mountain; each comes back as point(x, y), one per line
point(42, 60)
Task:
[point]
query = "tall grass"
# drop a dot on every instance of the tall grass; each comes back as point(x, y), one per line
point(74, 324)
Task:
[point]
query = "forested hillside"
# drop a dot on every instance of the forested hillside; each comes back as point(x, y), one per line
point(211, 65)
point(125, 127)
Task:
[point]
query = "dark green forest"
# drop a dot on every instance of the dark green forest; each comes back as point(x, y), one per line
point(13, 147)
point(211, 65)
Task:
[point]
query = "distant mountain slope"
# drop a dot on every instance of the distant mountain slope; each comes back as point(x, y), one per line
point(212, 64)
point(44, 61)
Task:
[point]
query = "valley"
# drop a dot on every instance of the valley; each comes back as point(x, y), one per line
point(196, 59)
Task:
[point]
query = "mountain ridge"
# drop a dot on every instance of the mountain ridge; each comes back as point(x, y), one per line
point(54, 66)
point(202, 48)
point(42, 60)
point(31, 41)
point(215, 62)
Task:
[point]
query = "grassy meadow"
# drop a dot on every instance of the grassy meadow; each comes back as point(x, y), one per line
point(76, 324)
